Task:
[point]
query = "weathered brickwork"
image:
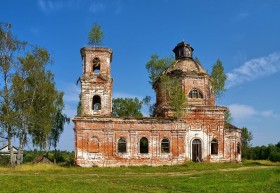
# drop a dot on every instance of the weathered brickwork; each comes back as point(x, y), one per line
point(97, 83)
point(201, 134)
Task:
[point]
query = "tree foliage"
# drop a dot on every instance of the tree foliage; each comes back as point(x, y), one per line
point(9, 47)
point(36, 99)
point(64, 158)
point(29, 100)
point(218, 78)
point(155, 67)
point(57, 129)
point(170, 86)
point(197, 60)
point(127, 107)
point(172, 89)
point(95, 35)
point(79, 107)
point(247, 137)
point(270, 152)
point(35, 95)
point(228, 117)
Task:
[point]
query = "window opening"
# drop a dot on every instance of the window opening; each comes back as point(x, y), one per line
point(238, 148)
point(96, 65)
point(195, 93)
point(214, 147)
point(144, 145)
point(96, 103)
point(165, 146)
point(122, 145)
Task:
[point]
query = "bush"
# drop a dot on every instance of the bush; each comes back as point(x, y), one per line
point(60, 158)
point(274, 156)
point(4, 160)
point(28, 157)
point(51, 156)
point(70, 162)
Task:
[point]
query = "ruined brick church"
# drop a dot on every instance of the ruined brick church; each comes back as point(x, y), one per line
point(200, 134)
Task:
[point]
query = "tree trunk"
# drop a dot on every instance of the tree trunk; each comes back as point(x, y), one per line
point(54, 158)
point(20, 148)
point(11, 148)
point(47, 147)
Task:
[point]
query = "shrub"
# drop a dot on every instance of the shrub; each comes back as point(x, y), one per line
point(4, 160)
point(274, 156)
point(28, 157)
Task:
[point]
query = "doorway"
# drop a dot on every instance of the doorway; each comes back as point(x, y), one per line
point(196, 151)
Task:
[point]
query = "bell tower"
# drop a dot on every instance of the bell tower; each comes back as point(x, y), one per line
point(96, 82)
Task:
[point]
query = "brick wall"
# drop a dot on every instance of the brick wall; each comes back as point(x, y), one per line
point(191, 136)
point(202, 125)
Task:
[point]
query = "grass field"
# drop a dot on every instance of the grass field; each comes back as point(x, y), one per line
point(258, 176)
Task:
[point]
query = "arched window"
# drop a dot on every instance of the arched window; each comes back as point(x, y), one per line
point(165, 146)
point(96, 102)
point(122, 145)
point(238, 148)
point(195, 93)
point(144, 145)
point(96, 65)
point(93, 145)
point(214, 147)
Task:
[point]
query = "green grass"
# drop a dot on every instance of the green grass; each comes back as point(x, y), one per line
point(251, 176)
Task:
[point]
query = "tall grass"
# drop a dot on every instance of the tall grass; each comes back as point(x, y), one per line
point(40, 167)
point(188, 166)
point(190, 177)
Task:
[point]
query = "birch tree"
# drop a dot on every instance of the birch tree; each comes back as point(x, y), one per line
point(36, 100)
point(29, 101)
point(9, 48)
point(57, 129)
point(218, 79)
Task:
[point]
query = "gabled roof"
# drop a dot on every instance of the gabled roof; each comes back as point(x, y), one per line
point(42, 159)
point(5, 149)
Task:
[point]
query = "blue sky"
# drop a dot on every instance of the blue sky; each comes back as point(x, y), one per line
point(243, 34)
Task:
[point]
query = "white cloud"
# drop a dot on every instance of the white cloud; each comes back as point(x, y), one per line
point(93, 6)
point(253, 69)
point(56, 5)
point(49, 5)
point(241, 112)
point(269, 114)
point(99, 6)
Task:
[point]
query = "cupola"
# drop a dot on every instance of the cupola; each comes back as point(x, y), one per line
point(183, 50)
